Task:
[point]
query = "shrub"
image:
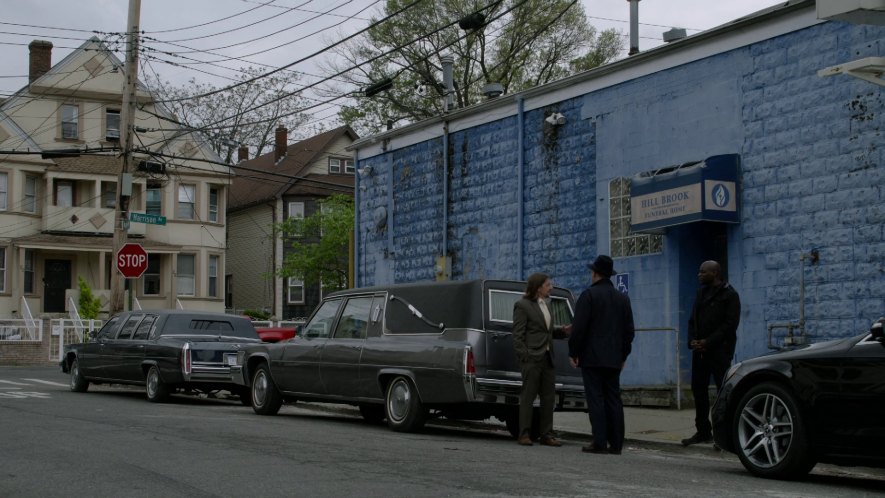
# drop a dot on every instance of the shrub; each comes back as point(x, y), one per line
point(90, 305)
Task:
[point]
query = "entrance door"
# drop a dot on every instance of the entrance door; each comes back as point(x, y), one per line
point(56, 280)
point(696, 243)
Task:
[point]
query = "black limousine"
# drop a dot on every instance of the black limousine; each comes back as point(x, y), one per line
point(163, 350)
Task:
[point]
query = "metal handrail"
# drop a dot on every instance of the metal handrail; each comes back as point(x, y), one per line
point(678, 359)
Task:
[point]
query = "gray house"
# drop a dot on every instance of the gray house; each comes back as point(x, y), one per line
point(756, 143)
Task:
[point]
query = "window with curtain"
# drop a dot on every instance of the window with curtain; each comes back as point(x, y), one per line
point(64, 193)
point(112, 125)
point(4, 190)
point(501, 305)
point(186, 196)
point(186, 274)
point(2, 269)
point(70, 121)
point(213, 204)
point(29, 271)
point(109, 194)
point(213, 276)
point(29, 203)
point(151, 277)
point(295, 291)
point(154, 198)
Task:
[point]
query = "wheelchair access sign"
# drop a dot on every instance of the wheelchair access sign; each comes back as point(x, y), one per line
point(622, 282)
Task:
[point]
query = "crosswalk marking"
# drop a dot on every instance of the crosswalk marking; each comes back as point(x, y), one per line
point(49, 382)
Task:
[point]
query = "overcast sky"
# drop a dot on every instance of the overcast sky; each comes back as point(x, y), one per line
point(283, 30)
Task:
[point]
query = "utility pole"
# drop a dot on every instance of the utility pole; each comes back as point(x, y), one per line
point(124, 179)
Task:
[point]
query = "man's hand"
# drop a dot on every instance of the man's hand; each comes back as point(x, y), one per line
point(567, 330)
point(574, 361)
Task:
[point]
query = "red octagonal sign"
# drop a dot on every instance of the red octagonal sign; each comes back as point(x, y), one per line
point(132, 260)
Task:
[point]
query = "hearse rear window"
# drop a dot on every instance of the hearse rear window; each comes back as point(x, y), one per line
point(213, 325)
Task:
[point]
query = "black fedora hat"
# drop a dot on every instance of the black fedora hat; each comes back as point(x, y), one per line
point(603, 266)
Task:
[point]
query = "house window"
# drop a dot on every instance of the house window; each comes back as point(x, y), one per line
point(153, 203)
point(228, 291)
point(29, 271)
point(213, 276)
point(64, 193)
point(334, 165)
point(296, 210)
point(2, 269)
point(338, 165)
point(295, 291)
point(623, 241)
point(213, 204)
point(112, 125)
point(186, 267)
point(186, 196)
point(4, 190)
point(151, 277)
point(29, 203)
point(109, 194)
point(70, 117)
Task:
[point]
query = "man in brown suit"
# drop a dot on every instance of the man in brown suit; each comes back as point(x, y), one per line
point(533, 333)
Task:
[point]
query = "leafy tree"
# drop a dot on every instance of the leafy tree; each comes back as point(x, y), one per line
point(248, 124)
point(319, 243)
point(536, 42)
point(90, 305)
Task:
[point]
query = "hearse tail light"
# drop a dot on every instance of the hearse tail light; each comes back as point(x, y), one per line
point(469, 363)
point(186, 358)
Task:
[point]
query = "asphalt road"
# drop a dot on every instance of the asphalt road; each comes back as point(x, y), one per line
point(111, 442)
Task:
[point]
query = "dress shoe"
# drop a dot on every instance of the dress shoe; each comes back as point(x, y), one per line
point(614, 451)
point(550, 441)
point(698, 438)
point(593, 449)
point(524, 441)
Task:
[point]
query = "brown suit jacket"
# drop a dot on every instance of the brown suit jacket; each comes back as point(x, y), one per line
point(531, 336)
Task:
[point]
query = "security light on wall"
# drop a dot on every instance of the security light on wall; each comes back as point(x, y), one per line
point(555, 119)
point(365, 171)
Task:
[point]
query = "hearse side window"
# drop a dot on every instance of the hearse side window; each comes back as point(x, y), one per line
point(144, 328)
point(354, 319)
point(501, 307)
point(320, 325)
point(109, 328)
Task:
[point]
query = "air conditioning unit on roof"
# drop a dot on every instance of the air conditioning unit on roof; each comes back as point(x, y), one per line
point(853, 11)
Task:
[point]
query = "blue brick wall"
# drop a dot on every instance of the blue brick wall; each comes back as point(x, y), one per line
point(812, 179)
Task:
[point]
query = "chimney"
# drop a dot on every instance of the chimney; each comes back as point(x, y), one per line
point(448, 67)
point(282, 139)
point(40, 60)
point(634, 27)
point(242, 153)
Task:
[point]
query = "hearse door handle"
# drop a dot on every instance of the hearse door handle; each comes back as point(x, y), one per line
point(499, 335)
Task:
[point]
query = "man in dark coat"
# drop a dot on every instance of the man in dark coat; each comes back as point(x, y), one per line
point(533, 333)
point(712, 335)
point(601, 339)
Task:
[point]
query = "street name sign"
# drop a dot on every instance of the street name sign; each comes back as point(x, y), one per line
point(150, 219)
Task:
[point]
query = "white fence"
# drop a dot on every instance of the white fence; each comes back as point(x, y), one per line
point(64, 331)
point(21, 329)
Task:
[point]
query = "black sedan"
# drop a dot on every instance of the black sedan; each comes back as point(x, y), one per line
point(164, 351)
point(784, 412)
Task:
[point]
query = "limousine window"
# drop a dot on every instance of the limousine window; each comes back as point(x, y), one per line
point(354, 319)
point(501, 307)
point(109, 328)
point(321, 324)
point(144, 328)
point(128, 327)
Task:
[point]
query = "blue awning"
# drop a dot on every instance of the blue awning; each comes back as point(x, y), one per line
point(703, 191)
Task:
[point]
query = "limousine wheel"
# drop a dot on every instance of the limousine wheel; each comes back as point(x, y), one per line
point(156, 390)
point(266, 399)
point(78, 383)
point(404, 409)
point(769, 433)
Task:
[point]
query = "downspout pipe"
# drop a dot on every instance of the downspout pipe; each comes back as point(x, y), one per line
point(520, 190)
point(445, 190)
point(356, 220)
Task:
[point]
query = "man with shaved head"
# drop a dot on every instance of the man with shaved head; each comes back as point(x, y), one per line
point(712, 334)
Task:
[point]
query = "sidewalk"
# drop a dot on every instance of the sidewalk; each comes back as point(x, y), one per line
point(643, 425)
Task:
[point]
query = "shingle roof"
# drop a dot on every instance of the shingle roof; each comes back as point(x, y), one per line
point(261, 180)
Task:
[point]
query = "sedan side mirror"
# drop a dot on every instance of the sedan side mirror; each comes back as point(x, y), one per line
point(876, 329)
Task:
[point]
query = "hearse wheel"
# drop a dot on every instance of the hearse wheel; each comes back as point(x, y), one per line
point(405, 412)
point(266, 399)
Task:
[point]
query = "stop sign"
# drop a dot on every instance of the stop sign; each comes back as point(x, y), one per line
point(132, 260)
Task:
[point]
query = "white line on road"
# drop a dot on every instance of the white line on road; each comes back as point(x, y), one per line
point(12, 382)
point(49, 382)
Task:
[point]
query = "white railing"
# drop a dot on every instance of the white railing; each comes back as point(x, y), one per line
point(135, 304)
point(66, 331)
point(75, 315)
point(21, 329)
point(33, 328)
point(178, 304)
